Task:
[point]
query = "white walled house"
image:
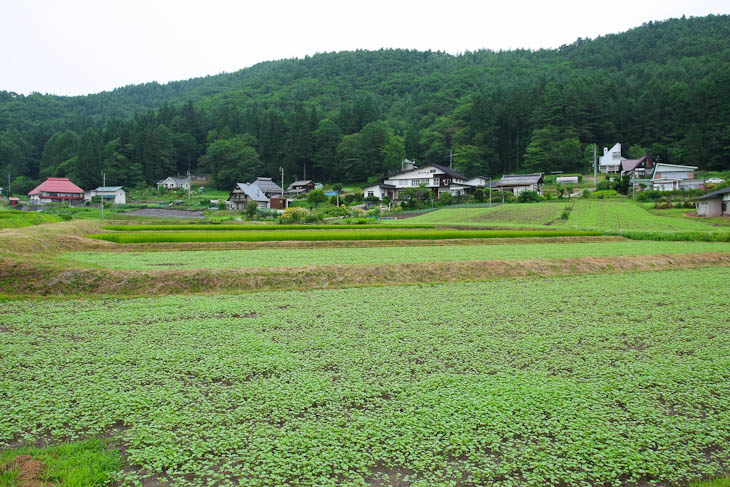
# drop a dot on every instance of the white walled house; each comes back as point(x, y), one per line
point(611, 159)
point(245, 192)
point(174, 183)
point(111, 194)
point(674, 177)
point(714, 204)
point(380, 191)
point(437, 178)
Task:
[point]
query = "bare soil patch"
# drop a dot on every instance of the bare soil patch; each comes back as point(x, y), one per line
point(29, 471)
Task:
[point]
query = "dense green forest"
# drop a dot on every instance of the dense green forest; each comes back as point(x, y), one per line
point(663, 87)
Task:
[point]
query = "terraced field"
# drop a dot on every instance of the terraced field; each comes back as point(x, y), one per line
point(231, 259)
point(618, 215)
point(508, 215)
point(522, 382)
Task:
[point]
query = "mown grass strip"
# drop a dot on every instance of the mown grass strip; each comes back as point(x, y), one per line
point(319, 235)
point(263, 227)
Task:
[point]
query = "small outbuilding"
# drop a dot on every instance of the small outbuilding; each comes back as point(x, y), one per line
point(714, 204)
point(110, 194)
point(517, 183)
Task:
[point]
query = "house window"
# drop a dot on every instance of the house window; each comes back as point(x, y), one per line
point(370, 193)
point(446, 182)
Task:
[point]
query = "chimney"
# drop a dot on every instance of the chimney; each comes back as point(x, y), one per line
point(649, 162)
point(605, 151)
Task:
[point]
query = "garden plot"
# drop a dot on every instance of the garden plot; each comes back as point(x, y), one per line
point(509, 215)
point(529, 382)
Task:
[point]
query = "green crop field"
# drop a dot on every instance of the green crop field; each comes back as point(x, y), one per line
point(17, 218)
point(508, 215)
point(228, 259)
point(321, 235)
point(621, 215)
point(618, 379)
point(244, 226)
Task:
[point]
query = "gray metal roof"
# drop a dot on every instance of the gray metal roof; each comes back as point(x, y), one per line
point(267, 185)
point(252, 191)
point(303, 182)
point(176, 180)
point(108, 188)
point(520, 179)
point(714, 194)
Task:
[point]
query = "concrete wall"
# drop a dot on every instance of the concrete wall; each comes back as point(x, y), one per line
point(709, 208)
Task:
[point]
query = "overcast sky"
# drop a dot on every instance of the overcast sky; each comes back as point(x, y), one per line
point(75, 47)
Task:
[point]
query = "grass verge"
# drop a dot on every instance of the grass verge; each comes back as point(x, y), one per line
point(256, 226)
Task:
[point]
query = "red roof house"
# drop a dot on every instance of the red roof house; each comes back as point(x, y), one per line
point(56, 190)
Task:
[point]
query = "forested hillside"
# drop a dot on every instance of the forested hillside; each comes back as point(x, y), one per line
point(663, 87)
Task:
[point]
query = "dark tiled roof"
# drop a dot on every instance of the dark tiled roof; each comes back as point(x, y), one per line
point(267, 185)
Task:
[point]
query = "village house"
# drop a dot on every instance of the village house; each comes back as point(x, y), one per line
point(439, 179)
point(111, 194)
point(517, 183)
point(56, 190)
point(268, 187)
point(611, 159)
point(174, 183)
point(714, 204)
point(244, 192)
point(637, 168)
point(674, 177)
point(300, 187)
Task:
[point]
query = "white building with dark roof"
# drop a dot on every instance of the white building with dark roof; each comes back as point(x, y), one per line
point(611, 159)
point(174, 183)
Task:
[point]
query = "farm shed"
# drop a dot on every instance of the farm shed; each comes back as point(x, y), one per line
point(56, 190)
point(247, 192)
point(517, 183)
point(714, 204)
point(567, 180)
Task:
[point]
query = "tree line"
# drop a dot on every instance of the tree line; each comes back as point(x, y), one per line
point(663, 87)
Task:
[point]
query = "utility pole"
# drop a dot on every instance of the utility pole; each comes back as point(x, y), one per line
point(595, 167)
point(490, 192)
point(103, 190)
point(451, 159)
point(9, 193)
point(188, 183)
point(281, 170)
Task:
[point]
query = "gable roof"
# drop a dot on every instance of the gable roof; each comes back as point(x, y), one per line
point(670, 167)
point(56, 185)
point(174, 180)
point(714, 194)
point(302, 182)
point(631, 164)
point(520, 179)
point(252, 191)
point(446, 170)
point(267, 185)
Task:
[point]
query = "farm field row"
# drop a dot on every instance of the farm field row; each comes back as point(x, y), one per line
point(612, 215)
point(618, 215)
point(231, 259)
point(259, 226)
point(510, 215)
point(322, 235)
point(522, 382)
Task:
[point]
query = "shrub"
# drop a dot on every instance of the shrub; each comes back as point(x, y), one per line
point(446, 198)
point(294, 214)
point(479, 196)
point(528, 197)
